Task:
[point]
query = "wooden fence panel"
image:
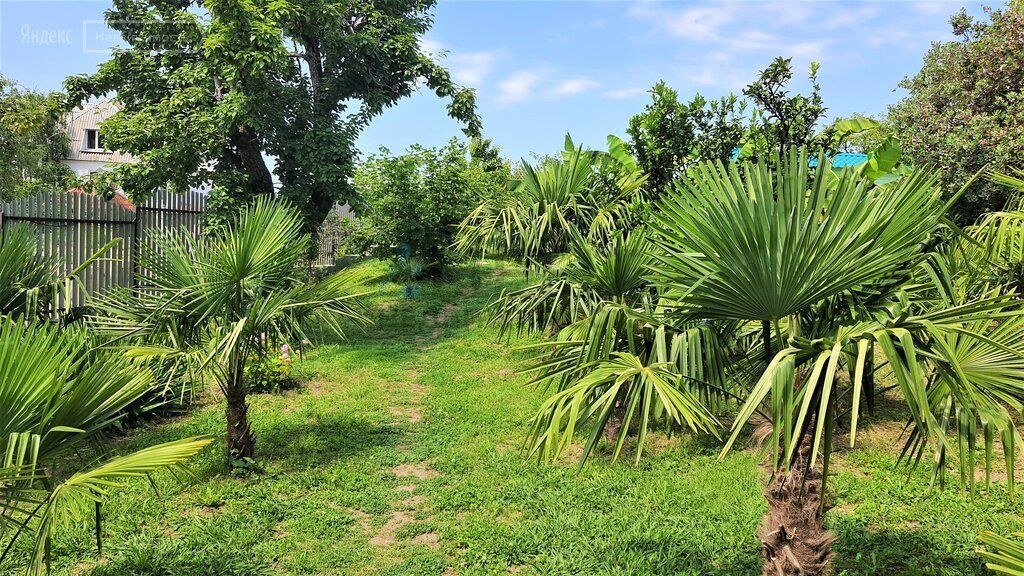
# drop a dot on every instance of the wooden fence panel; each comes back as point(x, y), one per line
point(73, 226)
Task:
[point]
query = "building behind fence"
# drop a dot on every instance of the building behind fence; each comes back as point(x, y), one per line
point(73, 226)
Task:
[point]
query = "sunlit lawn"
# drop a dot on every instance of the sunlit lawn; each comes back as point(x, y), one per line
point(400, 454)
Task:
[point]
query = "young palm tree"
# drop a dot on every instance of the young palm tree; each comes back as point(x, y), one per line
point(30, 280)
point(225, 300)
point(783, 281)
point(832, 268)
point(585, 191)
point(58, 393)
point(614, 369)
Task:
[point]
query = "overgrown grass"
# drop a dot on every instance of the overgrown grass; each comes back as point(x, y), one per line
point(400, 456)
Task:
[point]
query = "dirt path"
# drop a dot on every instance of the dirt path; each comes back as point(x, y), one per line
point(408, 506)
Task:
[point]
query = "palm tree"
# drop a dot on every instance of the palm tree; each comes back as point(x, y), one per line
point(31, 281)
point(1004, 556)
point(782, 279)
point(222, 301)
point(57, 394)
point(613, 368)
point(997, 255)
point(832, 268)
point(584, 191)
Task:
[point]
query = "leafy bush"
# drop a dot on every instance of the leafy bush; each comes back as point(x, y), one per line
point(669, 137)
point(416, 200)
point(271, 371)
point(966, 107)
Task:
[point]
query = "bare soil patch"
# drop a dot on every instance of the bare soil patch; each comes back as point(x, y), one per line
point(418, 470)
point(410, 413)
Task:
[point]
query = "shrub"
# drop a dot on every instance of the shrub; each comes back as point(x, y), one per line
point(415, 201)
point(966, 107)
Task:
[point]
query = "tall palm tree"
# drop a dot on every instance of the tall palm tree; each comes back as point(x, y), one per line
point(57, 394)
point(222, 301)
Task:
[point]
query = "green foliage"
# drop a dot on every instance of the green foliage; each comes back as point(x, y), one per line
point(330, 449)
point(582, 192)
point(58, 394)
point(669, 136)
point(218, 302)
point(834, 288)
point(272, 371)
point(30, 282)
point(210, 89)
point(33, 142)
point(996, 256)
point(781, 121)
point(752, 238)
point(414, 202)
point(966, 108)
point(1005, 557)
point(861, 134)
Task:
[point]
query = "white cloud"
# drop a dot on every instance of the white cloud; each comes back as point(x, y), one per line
point(753, 40)
point(936, 7)
point(852, 17)
point(468, 67)
point(625, 93)
point(574, 86)
point(701, 23)
point(808, 50)
point(471, 68)
point(518, 87)
point(431, 47)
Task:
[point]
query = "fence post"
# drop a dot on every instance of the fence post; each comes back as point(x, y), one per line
point(135, 248)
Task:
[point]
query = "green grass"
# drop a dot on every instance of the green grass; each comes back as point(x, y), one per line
point(430, 389)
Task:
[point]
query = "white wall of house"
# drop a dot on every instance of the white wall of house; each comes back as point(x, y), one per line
point(83, 167)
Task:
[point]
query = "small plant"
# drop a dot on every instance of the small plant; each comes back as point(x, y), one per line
point(406, 269)
point(271, 373)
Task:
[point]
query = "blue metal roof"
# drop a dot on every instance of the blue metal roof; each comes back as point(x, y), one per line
point(841, 160)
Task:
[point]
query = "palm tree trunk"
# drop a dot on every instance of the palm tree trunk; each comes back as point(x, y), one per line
point(794, 542)
point(240, 440)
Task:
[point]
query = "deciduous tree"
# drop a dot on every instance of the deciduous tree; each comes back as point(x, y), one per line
point(966, 107)
point(33, 142)
point(214, 90)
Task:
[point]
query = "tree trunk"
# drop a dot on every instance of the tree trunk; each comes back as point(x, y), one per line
point(614, 424)
point(240, 440)
point(793, 539)
point(249, 155)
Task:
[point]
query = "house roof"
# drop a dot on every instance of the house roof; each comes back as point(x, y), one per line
point(841, 160)
point(89, 116)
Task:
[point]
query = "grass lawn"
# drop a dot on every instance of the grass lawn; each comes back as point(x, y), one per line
point(399, 455)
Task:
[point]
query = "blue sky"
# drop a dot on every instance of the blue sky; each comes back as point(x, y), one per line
point(542, 69)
